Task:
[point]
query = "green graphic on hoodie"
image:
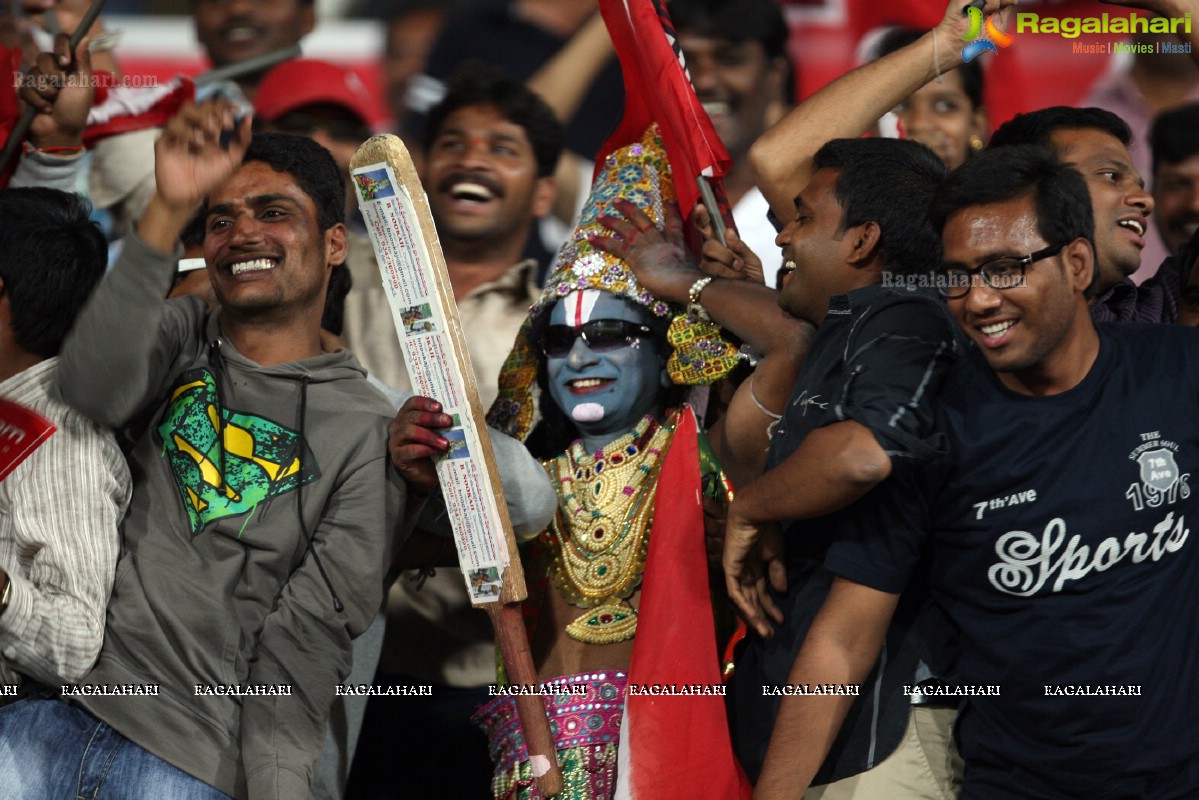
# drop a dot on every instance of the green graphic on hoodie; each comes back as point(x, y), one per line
point(261, 458)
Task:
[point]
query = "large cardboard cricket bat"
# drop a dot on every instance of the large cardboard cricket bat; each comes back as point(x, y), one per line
point(414, 274)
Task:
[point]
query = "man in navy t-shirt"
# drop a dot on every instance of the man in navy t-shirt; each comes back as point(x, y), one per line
point(1058, 525)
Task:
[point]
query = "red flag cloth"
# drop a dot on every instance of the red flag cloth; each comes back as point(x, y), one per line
point(22, 431)
point(679, 746)
point(10, 108)
point(658, 90)
point(122, 109)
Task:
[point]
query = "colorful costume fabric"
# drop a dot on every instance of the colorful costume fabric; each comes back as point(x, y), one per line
point(616, 535)
point(675, 746)
point(586, 729)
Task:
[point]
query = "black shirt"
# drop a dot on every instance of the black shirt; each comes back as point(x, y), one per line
point(878, 358)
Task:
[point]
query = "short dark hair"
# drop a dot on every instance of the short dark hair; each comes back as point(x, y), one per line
point(1175, 135)
point(51, 258)
point(333, 317)
point(1036, 127)
point(746, 20)
point(474, 84)
point(890, 182)
point(970, 72)
point(193, 233)
point(1060, 195)
point(313, 168)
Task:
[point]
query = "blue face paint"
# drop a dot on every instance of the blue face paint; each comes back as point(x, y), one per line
point(607, 393)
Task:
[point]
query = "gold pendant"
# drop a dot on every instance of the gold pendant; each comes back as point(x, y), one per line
point(606, 624)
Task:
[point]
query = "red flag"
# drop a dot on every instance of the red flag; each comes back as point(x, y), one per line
point(22, 430)
point(657, 89)
point(10, 108)
point(678, 747)
point(122, 109)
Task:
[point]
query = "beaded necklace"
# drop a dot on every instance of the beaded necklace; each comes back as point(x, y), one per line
point(600, 534)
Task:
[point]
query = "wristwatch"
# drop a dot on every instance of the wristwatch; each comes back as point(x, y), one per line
point(694, 309)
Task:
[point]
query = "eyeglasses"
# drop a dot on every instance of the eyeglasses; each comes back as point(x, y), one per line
point(601, 335)
point(999, 273)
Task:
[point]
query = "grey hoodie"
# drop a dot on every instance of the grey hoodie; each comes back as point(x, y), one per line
point(216, 586)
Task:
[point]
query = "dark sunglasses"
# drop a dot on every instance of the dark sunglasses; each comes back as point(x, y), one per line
point(601, 335)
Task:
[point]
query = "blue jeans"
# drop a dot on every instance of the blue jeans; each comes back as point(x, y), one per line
point(51, 750)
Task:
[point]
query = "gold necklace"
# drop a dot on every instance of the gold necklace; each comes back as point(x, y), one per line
point(600, 534)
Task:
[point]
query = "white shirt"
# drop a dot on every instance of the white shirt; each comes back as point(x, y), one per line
point(757, 231)
point(60, 511)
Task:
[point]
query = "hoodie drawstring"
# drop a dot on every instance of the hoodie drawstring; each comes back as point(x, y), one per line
point(308, 537)
point(217, 363)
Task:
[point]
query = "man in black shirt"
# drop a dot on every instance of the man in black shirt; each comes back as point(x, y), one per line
point(1057, 524)
point(859, 410)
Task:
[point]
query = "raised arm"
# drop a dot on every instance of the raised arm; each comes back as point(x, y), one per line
point(121, 344)
point(841, 647)
point(563, 82)
point(67, 15)
point(59, 86)
point(849, 106)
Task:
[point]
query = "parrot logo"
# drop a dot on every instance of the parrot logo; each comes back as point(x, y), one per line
point(990, 33)
point(260, 459)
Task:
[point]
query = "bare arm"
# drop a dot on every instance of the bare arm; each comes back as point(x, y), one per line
point(565, 79)
point(67, 16)
point(849, 106)
point(563, 82)
point(59, 87)
point(1169, 8)
point(841, 647)
point(833, 467)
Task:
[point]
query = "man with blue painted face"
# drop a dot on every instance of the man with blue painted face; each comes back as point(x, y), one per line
point(604, 363)
point(619, 603)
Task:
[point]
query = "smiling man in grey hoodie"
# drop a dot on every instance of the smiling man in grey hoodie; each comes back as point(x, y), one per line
point(263, 499)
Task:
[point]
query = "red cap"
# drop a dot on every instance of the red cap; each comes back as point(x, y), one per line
point(305, 82)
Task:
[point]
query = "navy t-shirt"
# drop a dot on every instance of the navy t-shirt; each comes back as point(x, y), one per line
point(878, 358)
point(1059, 530)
